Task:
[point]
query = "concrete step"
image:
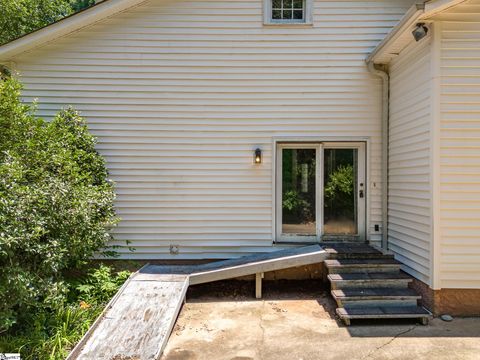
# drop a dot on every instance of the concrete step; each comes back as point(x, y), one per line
point(369, 280)
point(385, 312)
point(354, 251)
point(364, 265)
point(374, 297)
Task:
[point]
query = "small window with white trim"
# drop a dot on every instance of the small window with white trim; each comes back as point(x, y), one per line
point(287, 11)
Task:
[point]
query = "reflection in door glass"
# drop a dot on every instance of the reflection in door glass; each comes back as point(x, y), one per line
point(340, 188)
point(298, 191)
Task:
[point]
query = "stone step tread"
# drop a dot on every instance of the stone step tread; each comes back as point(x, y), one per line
point(358, 255)
point(342, 248)
point(375, 294)
point(361, 262)
point(378, 312)
point(350, 248)
point(361, 276)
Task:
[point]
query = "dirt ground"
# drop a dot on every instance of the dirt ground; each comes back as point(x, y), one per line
point(296, 321)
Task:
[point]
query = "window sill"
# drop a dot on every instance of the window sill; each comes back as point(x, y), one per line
point(288, 24)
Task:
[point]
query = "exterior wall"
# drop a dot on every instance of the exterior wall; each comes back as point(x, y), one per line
point(409, 205)
point(459, 148)
point(180, 93)
point(453, 301)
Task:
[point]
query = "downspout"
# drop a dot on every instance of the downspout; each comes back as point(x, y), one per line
point(385, 119)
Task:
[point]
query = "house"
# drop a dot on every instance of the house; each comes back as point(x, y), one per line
point(234, 127)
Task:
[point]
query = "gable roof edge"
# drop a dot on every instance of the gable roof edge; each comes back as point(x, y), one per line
point(417, 13)
point(64, 27)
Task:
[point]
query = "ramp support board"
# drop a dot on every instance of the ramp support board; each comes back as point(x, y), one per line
point(258, 285)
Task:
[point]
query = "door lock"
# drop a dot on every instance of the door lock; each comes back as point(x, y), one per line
point(361, 194)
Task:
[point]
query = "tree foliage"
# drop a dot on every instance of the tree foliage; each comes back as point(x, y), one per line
point(19, 17)
point(339, 190)
point(56, 203)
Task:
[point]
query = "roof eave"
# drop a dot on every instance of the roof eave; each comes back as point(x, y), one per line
point(64, 27)
point(406, 23)
point(417, 13)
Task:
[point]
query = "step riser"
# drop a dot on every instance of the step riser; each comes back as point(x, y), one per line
point(360, 256)
point(365, 269)
point(371, 285)
point(374, 303)
point(359, 284)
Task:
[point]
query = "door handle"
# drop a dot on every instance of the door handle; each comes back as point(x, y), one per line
point(361, 194)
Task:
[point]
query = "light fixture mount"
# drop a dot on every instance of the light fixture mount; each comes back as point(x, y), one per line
point(420, 31)
point(257, 156)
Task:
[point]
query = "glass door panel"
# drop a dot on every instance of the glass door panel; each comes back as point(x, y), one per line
point(320, 192)
point(299, 195)
point(340, 174)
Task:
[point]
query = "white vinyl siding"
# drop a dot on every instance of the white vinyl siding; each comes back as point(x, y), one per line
point(181, 93)
point(409, 209)
point(459, 251)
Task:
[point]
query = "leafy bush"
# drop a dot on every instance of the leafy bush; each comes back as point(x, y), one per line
point(51, 334)
point(56, 204)
point(101, 285)
point(339, 189)
point(340, 182)
point(296, 207)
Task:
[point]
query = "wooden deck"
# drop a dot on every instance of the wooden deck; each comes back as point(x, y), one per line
point(137, 322)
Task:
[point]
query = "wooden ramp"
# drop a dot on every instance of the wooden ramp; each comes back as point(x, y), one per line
point(137, 322)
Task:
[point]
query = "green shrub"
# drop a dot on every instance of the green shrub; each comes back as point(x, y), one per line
point(339, 190)
point(56, 204)
point(52, 333)
point(101, 285)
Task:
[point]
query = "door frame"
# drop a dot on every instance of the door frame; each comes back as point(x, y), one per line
point(319, 146)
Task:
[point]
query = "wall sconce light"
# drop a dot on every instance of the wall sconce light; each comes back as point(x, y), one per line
point(258, 156)
point(420, 31)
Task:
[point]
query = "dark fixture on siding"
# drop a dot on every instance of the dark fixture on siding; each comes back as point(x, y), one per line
point(420, 31)
point(258, 156)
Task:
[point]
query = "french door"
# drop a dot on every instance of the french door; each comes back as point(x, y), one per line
point(320, 192)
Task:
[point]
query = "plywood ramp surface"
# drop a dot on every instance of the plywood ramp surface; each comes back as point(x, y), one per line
point(245, 265)
point(137, 322)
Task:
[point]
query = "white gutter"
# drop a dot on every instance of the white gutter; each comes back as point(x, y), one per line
point(432, 8)
point(406, 22)
point(385, 120)
point(415, 14)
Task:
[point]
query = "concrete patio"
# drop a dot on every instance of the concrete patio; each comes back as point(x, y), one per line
point(296, 320)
